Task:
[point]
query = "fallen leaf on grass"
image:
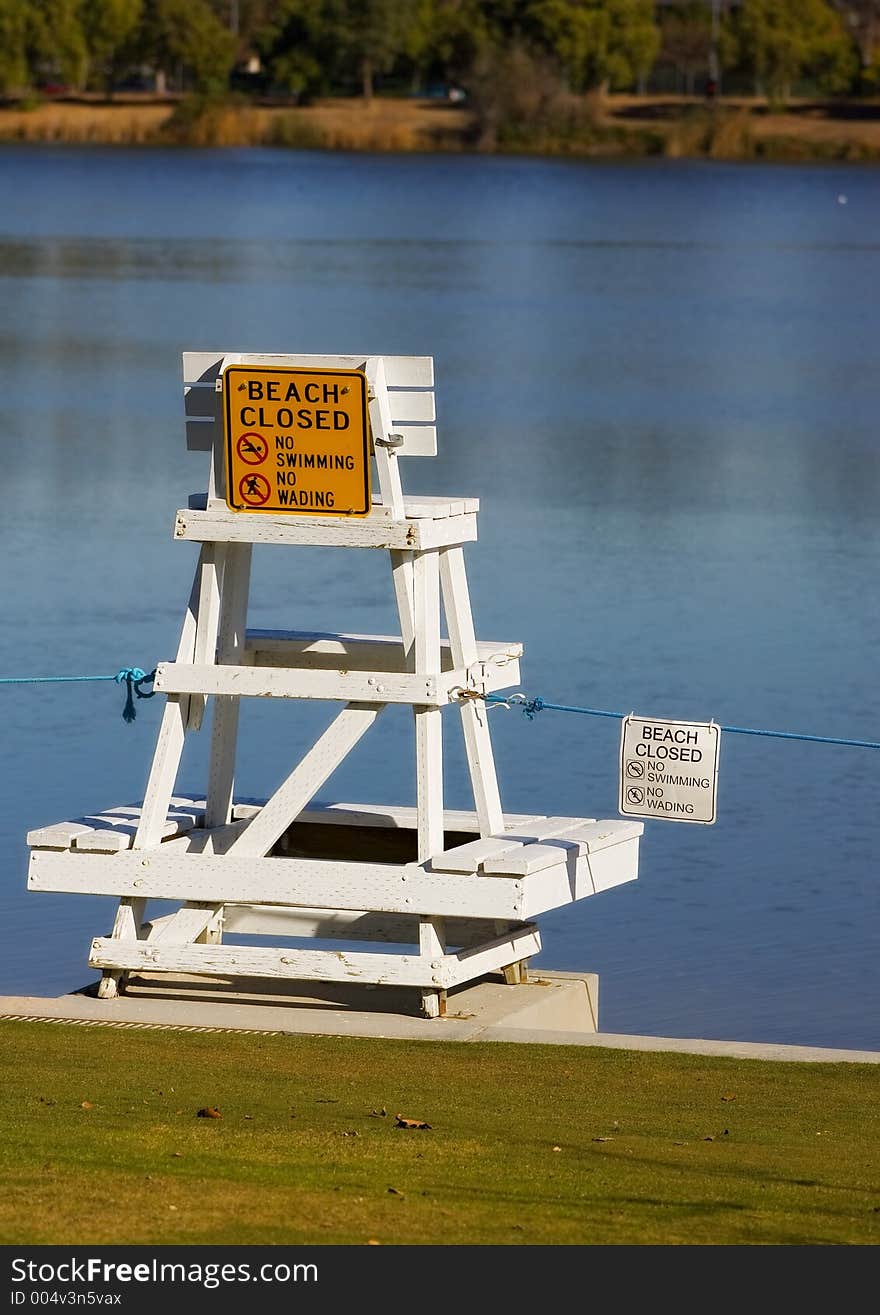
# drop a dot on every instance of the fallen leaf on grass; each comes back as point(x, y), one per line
point(86, 1105)
point(209, 1112)
point(728, 1095)
point(378, 1114)
point(351, 1134)
point(603, 1139)
point(395, 1192)
point(327, 1100)
point(373, 1242)
point(410, 1123)
point(556, 1148)
point(708, 1138)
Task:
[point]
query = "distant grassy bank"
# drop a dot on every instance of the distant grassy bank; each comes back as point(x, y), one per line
point(619, 127)
point(527, 1144)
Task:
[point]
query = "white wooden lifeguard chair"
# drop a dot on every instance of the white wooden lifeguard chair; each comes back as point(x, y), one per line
point(455, 892)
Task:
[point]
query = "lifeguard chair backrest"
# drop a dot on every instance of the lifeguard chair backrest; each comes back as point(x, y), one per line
point(410, 381)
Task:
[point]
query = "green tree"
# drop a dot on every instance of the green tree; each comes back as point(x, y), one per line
point(599, 43)
point(300, 42)
point(686, 35)
point(783, 40)
point(460, 34)
point(377, 32)
point(862, 18)
point(56, 43)
point(13, 46)
point(187, 35)
point(109, 26)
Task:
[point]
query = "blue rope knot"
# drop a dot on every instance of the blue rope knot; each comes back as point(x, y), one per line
point(133, 678)
point(532, 707)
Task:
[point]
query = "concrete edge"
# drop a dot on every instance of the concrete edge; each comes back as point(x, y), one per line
point(553, 1008)
point(684, 1045)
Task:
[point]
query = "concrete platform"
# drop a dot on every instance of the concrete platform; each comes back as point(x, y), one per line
point(552, 1008)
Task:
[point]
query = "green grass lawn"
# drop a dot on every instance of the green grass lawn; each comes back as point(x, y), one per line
point(528, 1144)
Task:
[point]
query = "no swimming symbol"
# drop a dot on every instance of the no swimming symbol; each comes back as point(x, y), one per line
point(252, 448)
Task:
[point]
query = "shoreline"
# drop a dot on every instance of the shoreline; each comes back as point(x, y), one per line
point(626, 128)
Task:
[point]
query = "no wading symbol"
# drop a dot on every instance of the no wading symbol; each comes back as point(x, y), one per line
point(254, 490)
point(252, 448)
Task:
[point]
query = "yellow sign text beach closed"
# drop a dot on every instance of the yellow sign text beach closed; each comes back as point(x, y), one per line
point(297, 440)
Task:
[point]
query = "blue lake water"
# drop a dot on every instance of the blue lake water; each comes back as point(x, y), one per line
point(661, 381)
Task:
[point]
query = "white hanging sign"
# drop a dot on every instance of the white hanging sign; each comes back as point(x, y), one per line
point(669, 769)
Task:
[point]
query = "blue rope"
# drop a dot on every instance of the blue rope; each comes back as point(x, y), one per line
point(134, 678)
point(531, 707)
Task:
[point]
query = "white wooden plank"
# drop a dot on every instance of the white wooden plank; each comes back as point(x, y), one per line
point(182, 927)
point(207, 620)
point(440, 972)
point(127, 923)
point(349, 925)
point(401, 371)
point(410, 411)
point(394, 816)
point(201, 841)
point(254, 961)
point(378, 687)
point(332, 650)
point(109, 835)
point(402, 579)
point(217, 525)
point(187, 815)
point(432, 937)
point(200, 366)
point(324, 682)
point(446, 533)
point(481, 959)
point(163, 772)
point(558, 886)
point(58, 835)
point(418, 440)
point(172, 733)
point(306, 883)
point(428, 721)
point(470, 857)
point(410, 406)
point(106, 840)
point(564, 846)
point(474, 717)
point(325, 924)
point(382, 426)
point(230, 650)
point(307, 777)
point(423, 506)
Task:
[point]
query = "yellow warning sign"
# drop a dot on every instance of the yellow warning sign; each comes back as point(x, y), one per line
point(297, 440)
